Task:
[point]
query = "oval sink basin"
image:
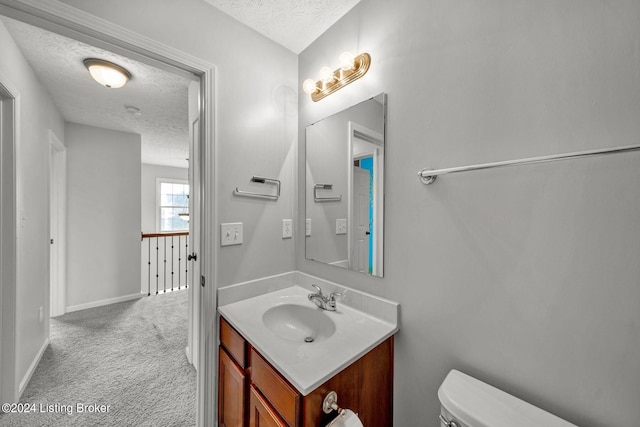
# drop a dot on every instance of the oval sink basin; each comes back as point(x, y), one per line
point(298, 323)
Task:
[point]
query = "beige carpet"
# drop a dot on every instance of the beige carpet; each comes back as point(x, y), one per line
point(125, 362)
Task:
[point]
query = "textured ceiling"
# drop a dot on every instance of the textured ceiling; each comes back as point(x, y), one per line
point(292, 23)
point(161, 96)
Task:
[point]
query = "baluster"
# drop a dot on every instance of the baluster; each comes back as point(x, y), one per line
point(186, 270)
point(157, 262)
point(171, 263)
point(164, 279)
point(149, 268)
point(179, 258)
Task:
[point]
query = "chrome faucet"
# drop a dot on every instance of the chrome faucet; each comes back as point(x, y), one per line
point(322, 301)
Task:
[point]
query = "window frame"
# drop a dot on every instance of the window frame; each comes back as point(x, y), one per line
point(159, 206)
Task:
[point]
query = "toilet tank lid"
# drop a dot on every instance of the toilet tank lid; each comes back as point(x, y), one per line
point(478, 404)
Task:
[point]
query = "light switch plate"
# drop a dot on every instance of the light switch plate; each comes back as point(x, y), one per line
point(231, 233)
point(287, 228)
point(341, 226)
point(307, 227)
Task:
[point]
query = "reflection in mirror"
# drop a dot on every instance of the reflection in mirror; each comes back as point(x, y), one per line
point(345, 188)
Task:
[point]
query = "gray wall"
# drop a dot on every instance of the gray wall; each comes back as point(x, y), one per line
point(255, 122)
point(326, 164)
point(103, 221)
point(37, 116)
point(327, 147)
point(525, 277)
point(148, 196)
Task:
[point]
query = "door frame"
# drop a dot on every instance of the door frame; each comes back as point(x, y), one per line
point(375, 139)
point(195, 221)
point(57, 221)
point(354, 217)
point(9, 137)
point(71, 22)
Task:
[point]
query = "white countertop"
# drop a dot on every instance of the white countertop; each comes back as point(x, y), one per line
point(307, 365)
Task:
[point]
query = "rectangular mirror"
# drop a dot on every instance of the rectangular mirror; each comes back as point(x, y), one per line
point(345, 188)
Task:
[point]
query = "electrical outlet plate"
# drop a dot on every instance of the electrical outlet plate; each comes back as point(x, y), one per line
point(341, 226)
point(287, 228)
point(231, 234)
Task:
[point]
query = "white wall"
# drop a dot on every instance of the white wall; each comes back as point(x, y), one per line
point(103, 205)
point(150, 174)
point(256, 120)
point(38, 115)
point(524, 277)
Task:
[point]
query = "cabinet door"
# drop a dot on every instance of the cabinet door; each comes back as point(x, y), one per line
point(231, 391)
point(275, 389)
point(260, 412)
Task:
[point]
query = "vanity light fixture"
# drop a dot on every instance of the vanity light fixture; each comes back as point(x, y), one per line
point(351, 69)
point(107, 73)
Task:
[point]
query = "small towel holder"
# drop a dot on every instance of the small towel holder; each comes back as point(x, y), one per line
point(324, 199)
point(260, 180)
point(329, 404)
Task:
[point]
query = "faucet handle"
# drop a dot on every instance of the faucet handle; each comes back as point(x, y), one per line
point(319, 289)
point(331, 301)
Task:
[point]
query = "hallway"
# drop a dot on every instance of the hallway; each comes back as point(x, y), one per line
point(121, 364)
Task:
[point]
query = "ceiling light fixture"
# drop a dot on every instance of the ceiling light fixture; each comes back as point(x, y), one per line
point(107, 73)
point(351, 69)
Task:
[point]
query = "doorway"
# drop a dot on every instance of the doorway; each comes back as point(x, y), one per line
point(365, 211)
point(57, 224)
point(8, 233)
point(363, 206)
point(67, 21)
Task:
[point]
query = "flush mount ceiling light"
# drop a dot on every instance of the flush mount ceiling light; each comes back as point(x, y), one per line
point(107, 73)
point(351, 69)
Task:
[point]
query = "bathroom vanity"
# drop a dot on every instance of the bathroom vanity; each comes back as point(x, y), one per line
point(268, 375)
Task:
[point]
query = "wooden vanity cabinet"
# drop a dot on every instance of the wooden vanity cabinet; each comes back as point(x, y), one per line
point(232, 377)
point(261, 414)
point(252, 393)
point(232, 383)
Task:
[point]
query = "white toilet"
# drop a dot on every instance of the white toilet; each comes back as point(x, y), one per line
point(468, 402)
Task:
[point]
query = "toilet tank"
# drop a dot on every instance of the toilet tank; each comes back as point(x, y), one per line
point(471, 403)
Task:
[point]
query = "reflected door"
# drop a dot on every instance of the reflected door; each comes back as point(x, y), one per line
point(360, 259)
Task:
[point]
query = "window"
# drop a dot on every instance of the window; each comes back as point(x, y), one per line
point(173, 200)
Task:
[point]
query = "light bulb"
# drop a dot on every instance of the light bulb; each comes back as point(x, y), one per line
point(346, 61)
point(326, 75)
point(309, 86)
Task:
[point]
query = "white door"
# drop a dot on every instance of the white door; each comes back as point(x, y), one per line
point(57, 215)
point(361, 218)
point(195, 203)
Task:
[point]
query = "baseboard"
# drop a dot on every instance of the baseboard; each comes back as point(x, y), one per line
point(103, 302)
point(32, 368)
